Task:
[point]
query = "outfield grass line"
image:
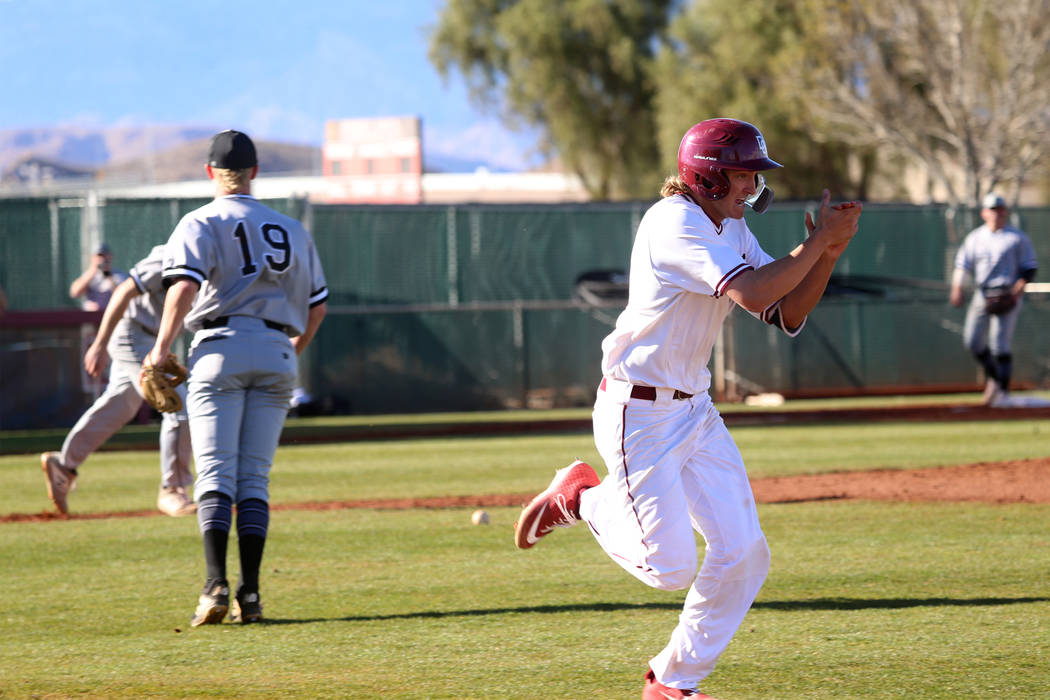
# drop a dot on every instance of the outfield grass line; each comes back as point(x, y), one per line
point(327, 429)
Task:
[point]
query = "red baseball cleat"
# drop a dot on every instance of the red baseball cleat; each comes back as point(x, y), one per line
point(558, 506)
point(655, 690)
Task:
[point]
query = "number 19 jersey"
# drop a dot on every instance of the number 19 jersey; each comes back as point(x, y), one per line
point(249, 260)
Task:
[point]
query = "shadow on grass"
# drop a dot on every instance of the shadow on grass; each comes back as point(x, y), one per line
point(889, 603)
point(783, 605)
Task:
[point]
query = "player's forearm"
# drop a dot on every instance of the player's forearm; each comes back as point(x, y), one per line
point(756, 290)
point(1022, 282)
point(313, 322)
point(802, 299)
point(80, 284)
point(118, 304)
point(177, 303)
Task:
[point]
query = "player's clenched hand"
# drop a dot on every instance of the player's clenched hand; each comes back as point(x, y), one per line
point(835, 224)
point(95, 360)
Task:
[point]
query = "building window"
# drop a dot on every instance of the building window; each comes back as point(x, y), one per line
point(337, 167)
point(406, 165)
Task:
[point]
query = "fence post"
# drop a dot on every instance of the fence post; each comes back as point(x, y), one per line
point(451, 252)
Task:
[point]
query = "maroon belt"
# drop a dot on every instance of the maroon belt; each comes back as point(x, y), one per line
point(648, 393)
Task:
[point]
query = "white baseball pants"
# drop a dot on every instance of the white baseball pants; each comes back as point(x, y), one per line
point(673, 468)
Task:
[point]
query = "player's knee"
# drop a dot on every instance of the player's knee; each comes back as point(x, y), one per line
point(676, 573)
point(746, 558)
point(758, 557)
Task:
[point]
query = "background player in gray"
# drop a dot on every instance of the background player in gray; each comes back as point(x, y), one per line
point(248, 282)
point(127, 332)
point(999, 258)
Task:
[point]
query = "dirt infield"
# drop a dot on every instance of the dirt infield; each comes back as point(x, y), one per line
point(1018, 481)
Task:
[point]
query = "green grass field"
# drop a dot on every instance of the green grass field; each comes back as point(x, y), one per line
point(872, 600)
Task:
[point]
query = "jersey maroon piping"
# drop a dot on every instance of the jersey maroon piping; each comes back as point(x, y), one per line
point(627, 481)
point(720, 288)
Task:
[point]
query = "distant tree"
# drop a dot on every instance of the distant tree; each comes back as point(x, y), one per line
point(580, 70)
point(960, 86)
point(741, 63)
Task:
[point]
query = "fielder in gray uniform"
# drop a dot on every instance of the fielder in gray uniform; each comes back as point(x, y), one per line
point(1001, 261)
point(127, 332)
point(248, 282)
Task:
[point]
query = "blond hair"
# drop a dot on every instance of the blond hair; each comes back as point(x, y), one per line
point(674, 184)
point(233, 180)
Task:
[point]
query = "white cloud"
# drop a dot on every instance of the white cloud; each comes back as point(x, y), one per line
point(483, 140)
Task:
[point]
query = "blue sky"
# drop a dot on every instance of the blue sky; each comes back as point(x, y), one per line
point(277, 70)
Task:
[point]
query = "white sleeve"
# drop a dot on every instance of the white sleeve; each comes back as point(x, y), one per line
point(695, 259)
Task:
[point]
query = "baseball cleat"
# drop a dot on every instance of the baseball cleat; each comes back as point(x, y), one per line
point(991, 392)
point(558, 506)
point(655, 690)
point(247, 608)
point(213, 604)
point(173, 501)
point(1002, 399)
point(60, 481)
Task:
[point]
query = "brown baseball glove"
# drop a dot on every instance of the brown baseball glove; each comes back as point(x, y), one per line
point(158, 384)
point(998, 302)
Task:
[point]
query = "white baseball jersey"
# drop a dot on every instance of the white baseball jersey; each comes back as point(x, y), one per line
point(996, 258)
point(248, 260)
point(681, 265)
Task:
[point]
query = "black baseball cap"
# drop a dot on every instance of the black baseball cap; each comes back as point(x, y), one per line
point(232, 150)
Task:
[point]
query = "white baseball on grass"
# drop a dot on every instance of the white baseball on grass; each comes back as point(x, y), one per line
point(480, 517)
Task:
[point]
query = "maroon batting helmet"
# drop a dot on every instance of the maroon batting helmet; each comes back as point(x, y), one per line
point(716, 145)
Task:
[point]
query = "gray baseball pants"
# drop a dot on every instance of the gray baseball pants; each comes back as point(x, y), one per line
point(241, 380)
point(119, 403)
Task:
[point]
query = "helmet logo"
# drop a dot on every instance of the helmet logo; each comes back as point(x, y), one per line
point(761, 143)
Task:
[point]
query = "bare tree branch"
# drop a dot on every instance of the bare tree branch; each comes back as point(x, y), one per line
point(960, 86)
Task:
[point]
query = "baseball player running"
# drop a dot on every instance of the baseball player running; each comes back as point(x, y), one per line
point(248, 282)
point(1001, 261)
point(127, 332)
point(672, 466)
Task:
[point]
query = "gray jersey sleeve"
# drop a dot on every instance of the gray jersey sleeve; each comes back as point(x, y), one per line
point(147, 308)
point(318, 284)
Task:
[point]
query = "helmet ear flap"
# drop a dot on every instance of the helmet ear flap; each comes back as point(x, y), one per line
point(705, 182)
point(712, 183)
